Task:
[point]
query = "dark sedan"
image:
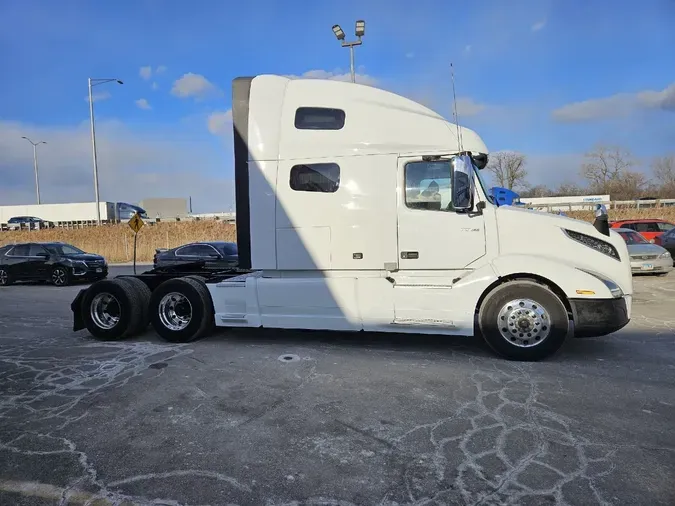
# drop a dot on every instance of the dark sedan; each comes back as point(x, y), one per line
point(215, 255)
point(667, 240)
point(56, 262)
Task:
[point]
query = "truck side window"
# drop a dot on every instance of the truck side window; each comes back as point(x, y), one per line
point(315, 177)
point(319, 118)
point(428, 185)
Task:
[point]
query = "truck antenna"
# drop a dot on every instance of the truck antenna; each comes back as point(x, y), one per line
point(460, 142)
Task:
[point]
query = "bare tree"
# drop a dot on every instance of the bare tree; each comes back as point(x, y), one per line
point(604, 166)
point(629, 186)
point(508, 169)
point(536, 191)
point(568, 190)
point(663, 169)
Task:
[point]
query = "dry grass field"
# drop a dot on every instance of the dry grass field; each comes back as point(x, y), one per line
point(116, 242)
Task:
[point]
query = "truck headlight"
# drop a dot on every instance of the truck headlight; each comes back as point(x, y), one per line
point(613, 288)
point(593, 242)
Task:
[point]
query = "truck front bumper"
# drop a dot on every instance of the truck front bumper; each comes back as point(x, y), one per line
point(599, 317)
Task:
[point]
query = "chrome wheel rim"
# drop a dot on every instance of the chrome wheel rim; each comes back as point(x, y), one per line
point(105, 310)
point(175, 311)
point(59, 276)
point(524, 323)
point(3, 277)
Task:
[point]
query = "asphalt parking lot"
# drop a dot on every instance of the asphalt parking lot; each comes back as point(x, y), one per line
point(345, 420)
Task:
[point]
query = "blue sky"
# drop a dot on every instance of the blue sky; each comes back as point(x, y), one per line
point(548, 78)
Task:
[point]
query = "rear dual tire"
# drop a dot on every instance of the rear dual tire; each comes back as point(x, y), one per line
point(181, 309)
point(116, 309)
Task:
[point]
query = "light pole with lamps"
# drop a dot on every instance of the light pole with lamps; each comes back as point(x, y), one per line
point(92, 83)
point(360, 31)
point(35, 165)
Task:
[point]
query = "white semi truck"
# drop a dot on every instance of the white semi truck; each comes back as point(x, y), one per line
point(360, 210)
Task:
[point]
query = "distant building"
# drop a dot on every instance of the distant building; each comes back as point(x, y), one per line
point(165, 208)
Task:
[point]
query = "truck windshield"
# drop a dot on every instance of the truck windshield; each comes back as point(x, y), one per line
point(484, 187)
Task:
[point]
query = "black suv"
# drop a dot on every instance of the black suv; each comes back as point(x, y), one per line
point(56, 262)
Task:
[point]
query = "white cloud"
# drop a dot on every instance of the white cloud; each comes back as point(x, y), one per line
point(410, 55)
point(155, 86)
point(664, 99)
point(469, 107)
point(193, 85)
point(467, 48)
point(219, 122)
point(145, 72)
point(539, 25)
point(142, 103)
point(97, 97)
point(338, 75)
point(133, 165)
point(621, 104)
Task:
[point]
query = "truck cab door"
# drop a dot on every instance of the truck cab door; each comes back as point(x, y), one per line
point(432, 236)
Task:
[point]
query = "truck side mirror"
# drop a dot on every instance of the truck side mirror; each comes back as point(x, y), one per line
point(462, 182)
point(601, 222)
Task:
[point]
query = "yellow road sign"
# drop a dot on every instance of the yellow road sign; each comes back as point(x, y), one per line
point(136, 223)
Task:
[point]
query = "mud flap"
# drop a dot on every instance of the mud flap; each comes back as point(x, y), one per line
point(76, 307)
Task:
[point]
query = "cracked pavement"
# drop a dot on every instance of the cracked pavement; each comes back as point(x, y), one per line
point(346, 420)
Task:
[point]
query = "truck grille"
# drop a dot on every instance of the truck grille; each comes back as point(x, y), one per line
point(643, 257)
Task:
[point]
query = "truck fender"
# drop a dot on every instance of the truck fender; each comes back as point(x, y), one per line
point(573, 282)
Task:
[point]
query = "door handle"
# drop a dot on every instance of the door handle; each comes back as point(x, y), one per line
point(410, 255)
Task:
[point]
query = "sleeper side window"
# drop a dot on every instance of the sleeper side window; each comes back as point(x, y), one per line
point(319, 118)
point(428, 185)
point(315, 177)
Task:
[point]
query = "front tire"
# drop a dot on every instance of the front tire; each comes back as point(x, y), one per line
point(5, 278)
point(523, 320)
point(181, 310)
point(60, 276)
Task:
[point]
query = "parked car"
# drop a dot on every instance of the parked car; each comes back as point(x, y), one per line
point(55, 262)
point(216, 255)
point(648, 228)
point(667, 241)
point(645, 257)
point(17, 222)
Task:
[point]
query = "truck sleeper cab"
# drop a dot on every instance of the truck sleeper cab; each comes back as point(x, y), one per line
point(361, 210)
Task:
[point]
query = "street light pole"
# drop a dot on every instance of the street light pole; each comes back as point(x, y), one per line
point(360, 31)
point(92, 83)
point(35, 165)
